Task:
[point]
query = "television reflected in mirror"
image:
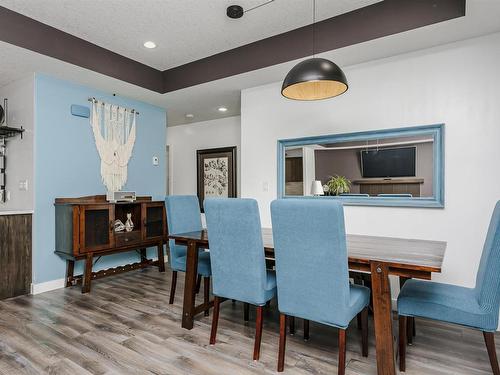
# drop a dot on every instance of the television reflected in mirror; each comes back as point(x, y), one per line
point(395, 167)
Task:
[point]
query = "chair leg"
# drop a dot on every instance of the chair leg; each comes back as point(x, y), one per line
point(258, 333)
point(364, 331)
point(198, 284)
point(489, 339)
point(358, 281)
point(215, 320)
point(206, 294)
point(359, 322)
point(281, 350)
point(342, 351)
point(410, 324)
point(306, 329)
point(246, 311)
point(173, 285)
point(403, 321)
point(291, 322)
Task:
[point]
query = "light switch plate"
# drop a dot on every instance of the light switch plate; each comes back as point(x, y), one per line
point(23, 185)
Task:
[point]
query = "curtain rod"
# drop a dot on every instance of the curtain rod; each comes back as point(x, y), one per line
point(94, 100)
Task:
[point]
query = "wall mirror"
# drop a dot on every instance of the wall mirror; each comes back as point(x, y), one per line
point(395, 167)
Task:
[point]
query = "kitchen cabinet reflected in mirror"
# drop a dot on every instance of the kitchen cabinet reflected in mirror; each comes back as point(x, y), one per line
point(391, 166)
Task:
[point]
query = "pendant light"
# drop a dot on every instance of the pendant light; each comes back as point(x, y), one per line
point(315, 78)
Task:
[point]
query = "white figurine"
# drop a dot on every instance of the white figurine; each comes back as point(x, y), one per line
point(129, 225)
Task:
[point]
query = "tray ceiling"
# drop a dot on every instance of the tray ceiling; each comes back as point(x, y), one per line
point(183, 30)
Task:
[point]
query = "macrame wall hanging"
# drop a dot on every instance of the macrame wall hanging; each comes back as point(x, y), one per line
point(114, 133)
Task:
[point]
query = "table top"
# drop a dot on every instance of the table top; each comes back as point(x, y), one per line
point(423, 255)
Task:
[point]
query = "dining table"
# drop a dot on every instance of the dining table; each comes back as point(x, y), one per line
point(380, 257)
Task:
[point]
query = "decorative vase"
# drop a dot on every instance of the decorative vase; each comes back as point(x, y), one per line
point(129, 225)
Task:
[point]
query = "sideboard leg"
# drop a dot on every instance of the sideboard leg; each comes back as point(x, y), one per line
point(70, 268)
point(144, 255)
point(87, 274)
point(161, 259)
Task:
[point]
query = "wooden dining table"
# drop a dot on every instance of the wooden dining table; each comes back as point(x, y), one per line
point(378, 256)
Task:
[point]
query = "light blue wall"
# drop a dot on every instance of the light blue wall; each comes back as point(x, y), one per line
point(67, 164)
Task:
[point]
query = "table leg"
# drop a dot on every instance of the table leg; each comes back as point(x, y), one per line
point(87, 274)
point(190, 285)
point(382, 311)
point(161, 259)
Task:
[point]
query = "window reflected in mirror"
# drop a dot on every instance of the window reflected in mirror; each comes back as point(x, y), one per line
point(356, 167)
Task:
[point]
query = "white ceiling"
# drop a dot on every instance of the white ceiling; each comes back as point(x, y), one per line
point(203, 100)
point(183, 30)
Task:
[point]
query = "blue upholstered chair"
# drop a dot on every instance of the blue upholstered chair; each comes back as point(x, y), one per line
point(237, 257)
point(312, 269)
point(184, 215)
point(476, 307)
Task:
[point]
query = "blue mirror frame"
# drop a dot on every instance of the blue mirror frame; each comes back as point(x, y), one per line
point(437, 132)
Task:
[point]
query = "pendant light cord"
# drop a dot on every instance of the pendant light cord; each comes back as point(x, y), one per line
point(314, 29)
point(258, 6)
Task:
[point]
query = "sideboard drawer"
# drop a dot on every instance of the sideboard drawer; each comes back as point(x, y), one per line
point(127, 238)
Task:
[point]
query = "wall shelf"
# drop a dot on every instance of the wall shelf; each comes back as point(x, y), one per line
point(9, 132)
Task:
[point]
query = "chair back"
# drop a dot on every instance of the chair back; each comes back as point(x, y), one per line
point(236, 249)
point(183, 215)
point(488, 275)
point(403, 195)
point(311, 260)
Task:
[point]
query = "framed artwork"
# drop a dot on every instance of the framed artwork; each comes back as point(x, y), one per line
point(216, 171)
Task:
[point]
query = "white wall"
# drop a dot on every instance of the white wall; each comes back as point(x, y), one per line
point(454, 84)
point(19, 158)
point(184, 140)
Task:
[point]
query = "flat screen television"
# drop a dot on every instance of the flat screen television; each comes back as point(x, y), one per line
point(388, 162)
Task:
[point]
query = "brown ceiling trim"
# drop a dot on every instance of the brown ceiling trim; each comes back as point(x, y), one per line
point(28, 33)
point(375, 21)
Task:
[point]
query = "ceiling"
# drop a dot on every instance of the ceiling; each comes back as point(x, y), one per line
point(203, 100)
point(183, 31)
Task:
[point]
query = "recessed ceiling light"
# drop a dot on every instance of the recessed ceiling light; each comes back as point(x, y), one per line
point(149, 44)
point(222, 109)
point(189, 115)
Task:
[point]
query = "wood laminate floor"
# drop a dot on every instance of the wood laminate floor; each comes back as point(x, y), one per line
point(126, 326)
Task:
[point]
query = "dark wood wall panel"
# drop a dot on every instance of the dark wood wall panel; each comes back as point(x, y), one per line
point(15, 255)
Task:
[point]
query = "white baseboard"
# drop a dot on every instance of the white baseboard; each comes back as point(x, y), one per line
point(47, 286)
point(59, 283)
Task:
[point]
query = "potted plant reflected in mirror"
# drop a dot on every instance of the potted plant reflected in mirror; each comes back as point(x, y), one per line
point(337, 185)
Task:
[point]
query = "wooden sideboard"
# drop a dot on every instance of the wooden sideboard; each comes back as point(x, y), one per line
point(397, 185)
point(85, 231)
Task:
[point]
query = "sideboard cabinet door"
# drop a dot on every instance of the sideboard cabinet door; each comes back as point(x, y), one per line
point(96, 227)
point(154, 220)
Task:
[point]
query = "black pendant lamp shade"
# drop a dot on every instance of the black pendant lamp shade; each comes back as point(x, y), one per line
point(314, 79)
